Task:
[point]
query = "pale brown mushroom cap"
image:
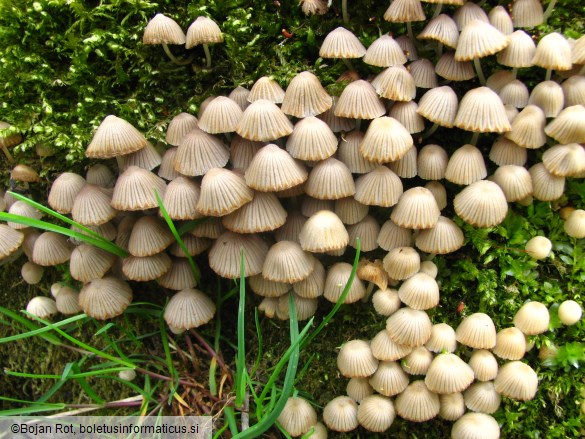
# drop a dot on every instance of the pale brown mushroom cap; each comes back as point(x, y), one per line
point(179, 276)
point(401, 263)
point(505, 152)
point(267, 288)
point(384, 52)
point(443, 29)
point(367, 231)
point(515, 182)
point(389, 379)
point(330, 180)
point(448, 374)
point(146, 158)
point(538, 247)
point(574, 90)
point(268, 89)
point(386, 140)
point(163, 30)
point(336, 280)
point(376, 413)
point(23, 209)
point(189, 308)
point(479, 39)
point(88, 263)
point(570, 312)
point(484, 365)
point(135, 190)
point(203, 31)
point(323, 232)
point(355, 359)
point(516, 380)
point(41, 307)
point(311, 139)
point(453, 70)
point(466, 166)
point(575, 224)
point(24, 173)
point(263, 213)
point(501, 20)
point(350, 211)
point(546, 187)
point(553, 52)
point(51, 249)
point(532, 318)
point(407, 115)
point(310, 206)
point(312, 286)
point(439, 105)
point(549, 97)
point(335, 123)
point(264, 121)
point(568, 126)
point(199, 152)
point(64, 190)
point(373, 271)
point(417, 403)
point(510, 344)
point(395, 83)
point(477, 331)
point(150, 235)
point(340, 414)
point(222, 192)
point(442, 339)
point(305, 96)
point(359, 100)
point(221, 115)
point(403, 11)
point(481, 204)
point(417, 362)
point(528, 128)
point(242, 151)
point(439, 192)
point(167, 166)
point(341, 43)
point(31, 273)
point(287, 262)
point(105, 298)
point(297, 416)
point(114, 137)
point(432, 162)
point(452, 406)
point(379, 187)
point(482, 110)
point(273, 169)
point(420, 291)
point(409, 327)
point(146, 268)
point(179, 127)
point(476, 426)
point(358, 388)
point(445, 237)
point(92, 206)
point(514, 93)
point(67, 301)
point(519, 52)
point(224, 255)
point(416, 209)
point(181, 199)
point(468, 12)
point(385, 349)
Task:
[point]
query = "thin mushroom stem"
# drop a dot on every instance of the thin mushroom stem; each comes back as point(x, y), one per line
point(344, 11)
point(479, 71)
point(207, 56)
point(438, 9)
point(409, 30)
point(474, 138)
point(514, 72)
point(174, 59)
point(347, 63)
point(439, 48)
point(549, 9)
point(430, 131)
point(7, 154)
point(548, 74)
point(358, 123)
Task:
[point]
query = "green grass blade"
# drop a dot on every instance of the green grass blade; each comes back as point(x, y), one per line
point(85, 385)
point(241, 354)
point(36, 408)
point(190, 225)
point(168, 359)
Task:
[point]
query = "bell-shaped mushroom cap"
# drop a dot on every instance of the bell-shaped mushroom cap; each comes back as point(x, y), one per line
point(269, 306)
point(477, 331)
point(181, 199)
point(505, 152)
point(203, 31)
point(287, 262)
point(163, 30)
point(335, 123)
point(516, 380)
point(367, 231)
point(575, 224)
point(291, 228)
point(439, 192)
point(312, 140)
point(358, 388)
point(240, 96)
point(546, 187)
point(50, 249)
point(553, 52)
point(267, 288)
point(242, 151)
point(180, 126)
point(263, 213)
point(409, 327)
point(88, 263)
point(224, 255)
point(416, 209)
point(341, 43)
point(452, 406)
point(194, 245)
point(549, 97)
point(143, 269)
point(268, 89)
point(273, 169)
point(570, 312)
point(146, 158)
point(406, 114)
point(359, 100)
point(453, 70)
point(384, 52)
point(402, 262)
point(515, 182)
point(448, 374)
point(297, 416)
point(528, 128)
point(417, 403)
point(430, 268)
point(441, 28)
point(439, 105)
point(510, 344)
point(468, 12)
point(31, 273)
point(24, 173)
point(314, 7)
point(41, 307)
point(386, 301)
point(445, 237)
point(100, 175)
point(419, 291)
point(418, 361)
point(481, 204)
point(105, 298)
point(379, 187)
point(312, 286)
point(481, 110)
point(350, 211)
point(199, 152)
point(386, 140)
point(385, 349)
point(305, 96)
point(501, 20)
point(63, 191)
point(310, 206)
point(574, 90)
point(135, 190)
point(404, 11)
point(305, 307)
point(476, 425)
point(323, 232)
point(568, 126)
point(264, 121)
point(189, 308)
point(179, 276)
point(221, 116)
point(479, 39)
point(330, 180)
point(149, 236)
point(519, 52)
point(336, 281)
point(222, 192)
point(405, 167)
point(389, 379)
point(484, 365)
point(21, 208)
point(432, 162)
point(527, 13)
point(514, 93)
point(355, 359)
point(442, 339)
point(395, 83)
point(482, 397)
point(167, 166)
point(340, 414)
point(376, 413)
point(532, 318)
point(466, 166)
point(114, 137)
point(67, 300)
point(92, 207)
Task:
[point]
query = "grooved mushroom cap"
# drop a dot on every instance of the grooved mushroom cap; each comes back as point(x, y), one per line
point(149, 236)
point(24, 173)
point(240, 96)
point(386, 140)
point(519, 52)
point(374, 272)
point(528, 128)
point(340, 414)
point(336, 280)
point(385, 349)
point(570, 312)
point(350, 211)
point(189, 308)
point(527, 13)
point(389, 379)
point(439, 105)
point(267, 288)
point(194, 245)
point(553, 52)
point(335, 123)
point(367, 231)
point(41, 307)
point(404, 11)
point(341, 43)
point(484, 365)
point(305, 307)
point(384, 52)
point(273, 169)
point(179, 276)
point(532, 318)
point(67, 301)
point(224, 255)
point(546, 187)
point(516, 380)
point(548, 95)
point(21, 208)
point(376, 413)
point(305, 96)
point(395, 83)
point(479, 39)
point(452, 406)
point(417, 403)
point(445, 237)
point(379, 187)
point(269, 306)
point(242, 151)
point(575, 224)
point(514, 93)
point(481, 204)
point(481, 110)
point(51, 249)
point(418, 361)
point(359, 100)
point(314, 7)
point(135, 190)
point(466, 165)
point(297, 416)
point(453, 70)
point(568, 126)
point(430, 268)
point(146, 158)
point(416, 209)
point(402, 262)
point(406, 114)
point(505, 152)
point(179, 127)
point(31, 273)
point(330, 180)
point(409, 327)
point(314, 284)
point(477, 331)
point(501, 20)
point(510, 344)
point(311, 139)
point(263, 213)
point(105, 298)
point(264, 121)
point(432, 162)
point(419, 291)
point(355, 359)
point(100, 174)
point(222, 192)
point(482, 397)
point(443, 29)
point(268, 89)
point(221, 116)
point(114, 137)
point(448, 374)
point(163, 30)
point(323, 232)
point(291, 228)
point(92, 206)
point(574, 90)
point(203, 31)
point(442, 339)
point(143, 269)
point(199, 152)
point(64, 190)
point(167, 166)
point(181, 198)
point(476, 425)
point(88, 263)
point(515, 182)
point(287, 262)
point(10, 240)
point(468, 12)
